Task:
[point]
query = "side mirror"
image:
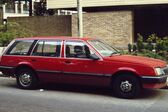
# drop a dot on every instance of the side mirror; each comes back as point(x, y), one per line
point(94, 57)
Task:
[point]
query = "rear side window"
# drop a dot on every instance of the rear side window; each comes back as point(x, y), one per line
point(20, 48)
point(48, 48)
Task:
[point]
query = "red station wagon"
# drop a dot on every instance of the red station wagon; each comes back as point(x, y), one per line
point(82, 61)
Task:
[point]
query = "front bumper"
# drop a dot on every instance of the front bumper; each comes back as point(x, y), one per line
point(154, 79)
point(154, 82)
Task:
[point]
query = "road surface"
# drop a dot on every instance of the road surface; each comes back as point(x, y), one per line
point(61, 98)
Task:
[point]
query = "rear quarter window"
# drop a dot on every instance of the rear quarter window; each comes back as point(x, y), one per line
point(20, 48)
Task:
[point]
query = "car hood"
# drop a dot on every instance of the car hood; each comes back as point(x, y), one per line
point(138, 60)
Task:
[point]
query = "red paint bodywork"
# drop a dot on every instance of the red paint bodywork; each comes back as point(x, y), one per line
point(104, 68)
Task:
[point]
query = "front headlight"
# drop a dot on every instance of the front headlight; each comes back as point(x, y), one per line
point(159, 71)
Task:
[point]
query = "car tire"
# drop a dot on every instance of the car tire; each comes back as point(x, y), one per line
point(126, 86)
point(26, 79)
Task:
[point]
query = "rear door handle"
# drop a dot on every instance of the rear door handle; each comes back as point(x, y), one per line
point(33, 60)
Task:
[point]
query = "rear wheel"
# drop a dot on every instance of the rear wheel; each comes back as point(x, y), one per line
point(126, 86)
point(26, 79)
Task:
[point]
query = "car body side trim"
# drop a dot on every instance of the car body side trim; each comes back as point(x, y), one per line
point(47, 71)
point(73, 73)
point(6, 67)
point(60, 72)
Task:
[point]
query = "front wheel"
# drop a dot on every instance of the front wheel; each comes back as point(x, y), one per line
point(26, 79)
point(126, 86)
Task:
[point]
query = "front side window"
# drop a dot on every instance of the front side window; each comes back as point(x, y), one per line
point(77, 49)
point(20, 48)
point(48, 48)
point(103, 48)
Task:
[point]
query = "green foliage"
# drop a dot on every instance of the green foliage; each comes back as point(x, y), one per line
point(129, 47)
point(12, 30)
point(152, 38)
point(163, 54)
point(140, 44)
point(41, 10)
point(154, 47)
point(149, 46)
point(134, 48)
point(2, 1)
point(151, 54)
point(159, 44)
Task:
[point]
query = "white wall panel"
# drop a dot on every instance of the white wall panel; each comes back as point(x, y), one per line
point(96, 3)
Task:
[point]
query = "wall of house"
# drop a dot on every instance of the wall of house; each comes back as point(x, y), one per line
point(115, 27)
point(100, 3)
point(45, 26)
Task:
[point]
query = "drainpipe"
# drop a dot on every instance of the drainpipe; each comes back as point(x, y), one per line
point(80, 18)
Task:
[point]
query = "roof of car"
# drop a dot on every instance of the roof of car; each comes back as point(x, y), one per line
point(55, 37)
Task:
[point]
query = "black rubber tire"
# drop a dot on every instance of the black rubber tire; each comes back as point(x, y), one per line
point(34, 81)
point(135, 88)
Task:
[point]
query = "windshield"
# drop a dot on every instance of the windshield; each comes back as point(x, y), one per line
point(103, 48)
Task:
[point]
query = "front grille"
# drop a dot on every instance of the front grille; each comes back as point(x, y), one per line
point(165, 69)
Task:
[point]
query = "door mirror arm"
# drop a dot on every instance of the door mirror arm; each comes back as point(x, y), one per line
point(94, 57)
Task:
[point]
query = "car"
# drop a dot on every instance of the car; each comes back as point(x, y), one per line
point(80, 61)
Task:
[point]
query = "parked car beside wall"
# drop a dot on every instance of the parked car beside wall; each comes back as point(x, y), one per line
point(82, 61)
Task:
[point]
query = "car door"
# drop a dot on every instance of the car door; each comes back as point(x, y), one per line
point(46, 59)
point(79, 68)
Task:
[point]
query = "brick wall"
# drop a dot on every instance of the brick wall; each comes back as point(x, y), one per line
point(115, 27)
point(45, 26)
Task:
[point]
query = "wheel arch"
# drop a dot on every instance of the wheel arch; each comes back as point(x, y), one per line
point(21, 66)
point(126, 72)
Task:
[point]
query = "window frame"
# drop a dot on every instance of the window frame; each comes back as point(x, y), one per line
point(61, 41)
point(91, 49)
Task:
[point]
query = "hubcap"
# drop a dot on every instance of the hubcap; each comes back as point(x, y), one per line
point(126, 86)
point(25, 79)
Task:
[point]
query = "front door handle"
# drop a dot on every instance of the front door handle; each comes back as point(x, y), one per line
point(68, 62)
